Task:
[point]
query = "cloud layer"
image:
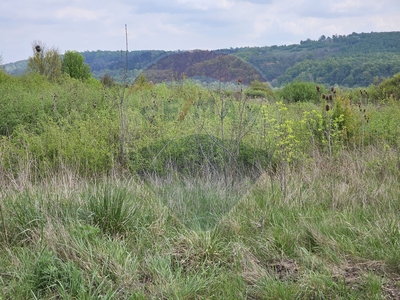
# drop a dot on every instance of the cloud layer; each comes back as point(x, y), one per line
point(183, 24)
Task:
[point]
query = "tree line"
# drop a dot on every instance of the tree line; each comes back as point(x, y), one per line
point(358, 59)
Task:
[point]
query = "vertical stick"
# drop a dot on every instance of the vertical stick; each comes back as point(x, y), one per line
point(126, 56)
point(121, 106)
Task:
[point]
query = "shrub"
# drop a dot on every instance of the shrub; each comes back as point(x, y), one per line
point(389, 88)
point(193, 154)
point(346, 118)
point(299, 92)
point(259, 89)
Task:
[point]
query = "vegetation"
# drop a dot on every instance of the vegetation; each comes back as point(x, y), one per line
point(355, 60)
point(300, 92)
point(219, 195)
point(207, 66)
point(73, 65)
point(45, 62)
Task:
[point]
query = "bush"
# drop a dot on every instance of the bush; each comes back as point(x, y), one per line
point(299, 92)
point(389, 88)
point(259, 89)
point(193, 154)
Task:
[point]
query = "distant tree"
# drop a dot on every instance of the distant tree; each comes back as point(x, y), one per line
point(73, 65)
point(45, 62)
point(107, 81)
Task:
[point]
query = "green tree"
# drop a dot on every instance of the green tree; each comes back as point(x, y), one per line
point(73, 64)
point(45, 62)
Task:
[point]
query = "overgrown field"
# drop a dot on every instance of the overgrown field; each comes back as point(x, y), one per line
point(179, 192)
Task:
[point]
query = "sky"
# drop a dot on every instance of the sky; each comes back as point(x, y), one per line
point(90, 25)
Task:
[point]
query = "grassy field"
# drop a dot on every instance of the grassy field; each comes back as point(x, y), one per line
point(217, 197)
point(201, 239)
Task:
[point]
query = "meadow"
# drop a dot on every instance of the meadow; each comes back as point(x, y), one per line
point(176, 191)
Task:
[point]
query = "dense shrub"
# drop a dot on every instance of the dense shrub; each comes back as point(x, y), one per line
point(299, 92)
point(195, 154)
point(259, 89)
point(389, 88)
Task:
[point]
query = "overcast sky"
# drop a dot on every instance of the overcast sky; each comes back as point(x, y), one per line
point(183, 24)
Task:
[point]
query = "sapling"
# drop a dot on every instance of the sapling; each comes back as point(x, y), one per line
point(285, 142)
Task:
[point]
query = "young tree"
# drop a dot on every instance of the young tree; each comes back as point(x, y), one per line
point(45, 62)
point(73, 64)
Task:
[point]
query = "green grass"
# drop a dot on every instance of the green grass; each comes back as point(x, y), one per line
point(130, 239)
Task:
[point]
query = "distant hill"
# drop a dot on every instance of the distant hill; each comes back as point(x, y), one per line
point(206, 66)
point(358, 59)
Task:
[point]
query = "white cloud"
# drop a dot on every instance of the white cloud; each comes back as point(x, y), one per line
point(207, 4)
point(183, 24)
point(80, 14)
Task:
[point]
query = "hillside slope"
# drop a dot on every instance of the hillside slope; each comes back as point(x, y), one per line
point(358, 59)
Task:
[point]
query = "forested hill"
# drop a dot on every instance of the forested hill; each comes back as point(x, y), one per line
point(358, 59)
point(352, 60)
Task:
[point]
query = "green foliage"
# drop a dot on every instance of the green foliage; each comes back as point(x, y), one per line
point(171, 128)
point(345, 70)
point(352, 60)
point(141, 83)
point(51, 124)
point(389, 88)
point(344, 117)
point(285, 143)
point(335, 121)
point(73, 64)
point(194, 154)
point(19, 101)
point(315, 126)
point(50, 274)
point(299, 92)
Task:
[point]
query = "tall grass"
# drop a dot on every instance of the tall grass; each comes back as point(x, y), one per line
point(198, 202)
point(128, 239)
